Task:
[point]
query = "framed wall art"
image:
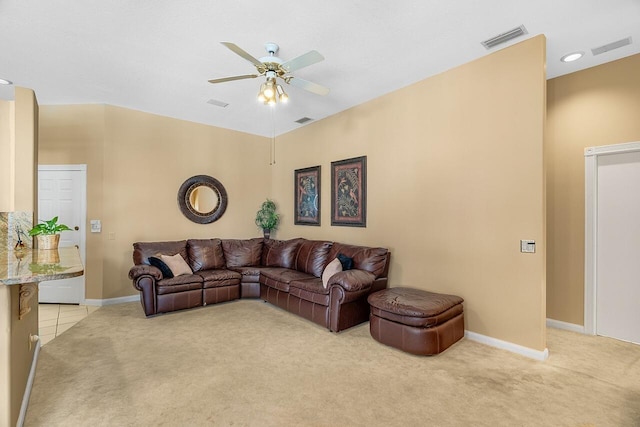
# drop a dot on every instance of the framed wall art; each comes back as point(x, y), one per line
point(349, 192)
point(307, 196)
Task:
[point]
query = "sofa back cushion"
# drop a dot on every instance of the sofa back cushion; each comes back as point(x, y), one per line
point(143, 250)
point(205, 254)
point(280, 253)
point(373, 260)
point(312, 256)
point(242, 253)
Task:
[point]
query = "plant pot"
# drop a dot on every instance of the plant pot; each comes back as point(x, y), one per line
point(48, 241)
point(267, 233)
point(46, 256)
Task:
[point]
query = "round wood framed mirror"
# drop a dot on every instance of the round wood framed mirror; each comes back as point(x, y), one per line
point(202, 199)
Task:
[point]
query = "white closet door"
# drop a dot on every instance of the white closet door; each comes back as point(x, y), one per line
point(618, 247)
point(61, 192)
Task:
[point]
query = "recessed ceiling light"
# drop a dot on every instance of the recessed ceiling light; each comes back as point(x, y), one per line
point(570, 57)
point(5, 82)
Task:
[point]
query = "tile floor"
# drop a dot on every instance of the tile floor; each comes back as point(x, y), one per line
point(54, 319)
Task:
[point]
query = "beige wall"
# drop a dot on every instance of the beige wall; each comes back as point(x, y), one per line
point(455, 180)
point(75, 135)
point(597, 106)
point(7, 131)
point(136, 163)
point(19, 156)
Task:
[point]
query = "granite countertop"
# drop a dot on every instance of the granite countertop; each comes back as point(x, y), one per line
point(37, 265)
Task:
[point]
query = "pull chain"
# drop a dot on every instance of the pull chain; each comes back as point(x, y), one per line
point(273, 139)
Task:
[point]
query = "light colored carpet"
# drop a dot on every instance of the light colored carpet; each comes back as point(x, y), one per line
point(250, 363)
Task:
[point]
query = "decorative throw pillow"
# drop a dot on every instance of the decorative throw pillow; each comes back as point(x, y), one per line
point(347, 263)
point(332, 268)
point(177, 264)
point(164, 268)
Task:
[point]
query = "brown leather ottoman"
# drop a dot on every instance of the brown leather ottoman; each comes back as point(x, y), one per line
point(416, 321)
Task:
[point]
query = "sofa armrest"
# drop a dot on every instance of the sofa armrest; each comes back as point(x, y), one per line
point(138, 271)
point(353, 280)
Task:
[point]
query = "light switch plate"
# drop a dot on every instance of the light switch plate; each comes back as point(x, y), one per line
point(528, 246)
point(96, 226)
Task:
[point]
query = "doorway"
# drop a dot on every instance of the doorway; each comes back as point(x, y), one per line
point(62, 193)
point(612, 261)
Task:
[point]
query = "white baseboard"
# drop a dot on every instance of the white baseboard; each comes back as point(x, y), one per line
point(111, 301)
point(558, 324)
point(505, 345)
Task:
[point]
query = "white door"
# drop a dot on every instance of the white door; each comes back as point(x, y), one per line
point(618, 246)
point(62, 193)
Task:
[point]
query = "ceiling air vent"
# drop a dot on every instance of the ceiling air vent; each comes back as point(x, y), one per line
point(303, 120)
point(217, 103)
point(504, 37)
point(611, 46)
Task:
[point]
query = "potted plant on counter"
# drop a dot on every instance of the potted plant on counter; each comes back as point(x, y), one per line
point(47, 233)
point(267, 218)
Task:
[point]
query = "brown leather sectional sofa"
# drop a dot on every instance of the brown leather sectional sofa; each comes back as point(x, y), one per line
point(286, 273)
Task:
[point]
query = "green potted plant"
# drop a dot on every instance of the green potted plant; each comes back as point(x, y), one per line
point(47, 233)
point(267, 218)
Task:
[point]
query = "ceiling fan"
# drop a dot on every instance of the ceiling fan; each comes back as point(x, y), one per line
point(273, 68)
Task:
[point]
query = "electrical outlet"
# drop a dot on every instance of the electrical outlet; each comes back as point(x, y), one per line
point(112, 235)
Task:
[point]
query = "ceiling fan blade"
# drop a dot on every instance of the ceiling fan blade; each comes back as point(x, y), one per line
point(230, 79)
point(307, 85)
point(301, 61)
point(239, 51)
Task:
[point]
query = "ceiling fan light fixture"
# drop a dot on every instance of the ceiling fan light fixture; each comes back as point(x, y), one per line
point(273, 68)
point(261, 96)
point(270, 89)
point(272, 100)
point(282, 95)
point(268, 92)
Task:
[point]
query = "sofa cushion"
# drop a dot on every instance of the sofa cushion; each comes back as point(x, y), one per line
point(159, 264)
point(185, 282)
point(177, 264)
point(279, 278)
point(249, 274)
point(143, 250)
point(284, 275)
point(280, 253)
point(312, 256)
point(310, 290)
point(205, 254)
point(220, 278)
point(242, 253)
point(220, 275)
point(312, 285)
point(332, 268)
point(373, 260)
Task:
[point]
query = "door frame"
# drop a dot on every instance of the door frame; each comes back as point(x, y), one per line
point(591, 226)
point(83, 212)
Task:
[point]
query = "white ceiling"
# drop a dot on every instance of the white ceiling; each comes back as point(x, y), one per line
point(157, 55)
